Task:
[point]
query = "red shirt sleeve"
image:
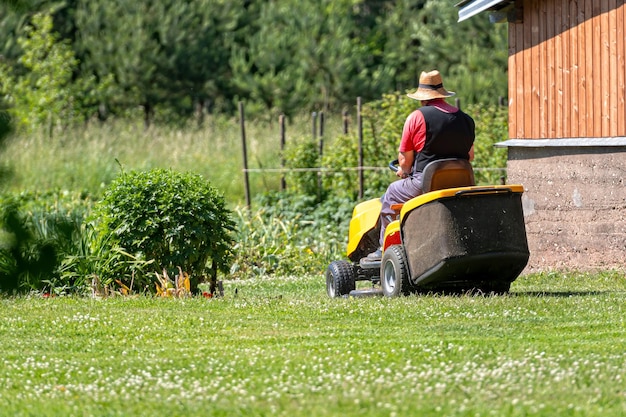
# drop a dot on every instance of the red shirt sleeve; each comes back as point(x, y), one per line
point(413, 133)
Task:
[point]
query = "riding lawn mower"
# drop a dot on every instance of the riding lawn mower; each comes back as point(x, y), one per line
point(456, 237)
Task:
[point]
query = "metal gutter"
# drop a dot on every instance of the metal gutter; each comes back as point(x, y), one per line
point(469, 8)
point(573, 142)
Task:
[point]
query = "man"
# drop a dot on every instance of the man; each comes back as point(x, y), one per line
point(437, 130)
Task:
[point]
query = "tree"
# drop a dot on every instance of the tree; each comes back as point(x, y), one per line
point(305, 53)
point(44, 94)
point(280, 55)
point(263, 60)
point(472, 54)
point(196, 40)
point(118, 39)
point(170, 53)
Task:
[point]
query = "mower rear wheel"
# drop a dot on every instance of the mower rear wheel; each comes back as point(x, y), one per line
point(394, 272)
point(340, 279)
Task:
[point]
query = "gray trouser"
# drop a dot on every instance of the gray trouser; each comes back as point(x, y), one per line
point(398, 192)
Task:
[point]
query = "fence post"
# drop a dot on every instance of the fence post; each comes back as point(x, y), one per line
point(246, 181)
point(345, 121)
point(360, 130)
point(321, 153)
point(281, 122)
point(321, 142)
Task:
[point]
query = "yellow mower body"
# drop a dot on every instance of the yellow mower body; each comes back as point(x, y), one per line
point(363, 226)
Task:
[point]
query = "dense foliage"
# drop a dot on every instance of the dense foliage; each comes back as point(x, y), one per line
point(172, 58)
point(172, 219)
point(39, 233)
point(46, 95)
point(290, 234)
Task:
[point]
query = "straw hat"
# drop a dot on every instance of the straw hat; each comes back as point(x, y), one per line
point(430, 87)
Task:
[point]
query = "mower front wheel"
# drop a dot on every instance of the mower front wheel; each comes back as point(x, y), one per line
point(394, 272)
point(340, 279)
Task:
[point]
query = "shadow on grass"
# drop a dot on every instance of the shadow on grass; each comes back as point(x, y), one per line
point(374, 292)
point(561, 294)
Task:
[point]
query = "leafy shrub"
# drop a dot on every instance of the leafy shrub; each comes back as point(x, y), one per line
point(174, 219)
point(383, 121)
point(24, 261)
point(299, 156)
point(6, 125)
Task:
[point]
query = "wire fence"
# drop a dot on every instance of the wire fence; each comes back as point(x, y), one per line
point(318, 118)
point(345, 169)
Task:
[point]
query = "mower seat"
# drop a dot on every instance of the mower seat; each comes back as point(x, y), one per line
point(442, 174)
point(447, 173)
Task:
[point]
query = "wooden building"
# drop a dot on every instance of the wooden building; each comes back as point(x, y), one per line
point(567, 125)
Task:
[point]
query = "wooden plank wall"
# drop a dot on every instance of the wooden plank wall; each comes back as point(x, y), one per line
point(567, 70)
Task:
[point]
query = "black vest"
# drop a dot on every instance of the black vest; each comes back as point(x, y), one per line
point(448, 135)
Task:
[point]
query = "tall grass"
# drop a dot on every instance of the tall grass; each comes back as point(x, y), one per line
point(87, 159)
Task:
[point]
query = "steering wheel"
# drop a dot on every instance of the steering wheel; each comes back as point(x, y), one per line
point(393, 165)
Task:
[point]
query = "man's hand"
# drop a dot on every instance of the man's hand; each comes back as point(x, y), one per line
point(405, 164)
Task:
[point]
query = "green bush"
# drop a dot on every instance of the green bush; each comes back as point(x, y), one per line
point(176, 220)
point(382, 129)
point(94, 263)
point(25, 261)
point(299, 156)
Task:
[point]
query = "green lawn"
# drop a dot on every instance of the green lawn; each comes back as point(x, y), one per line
point(555, 346)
